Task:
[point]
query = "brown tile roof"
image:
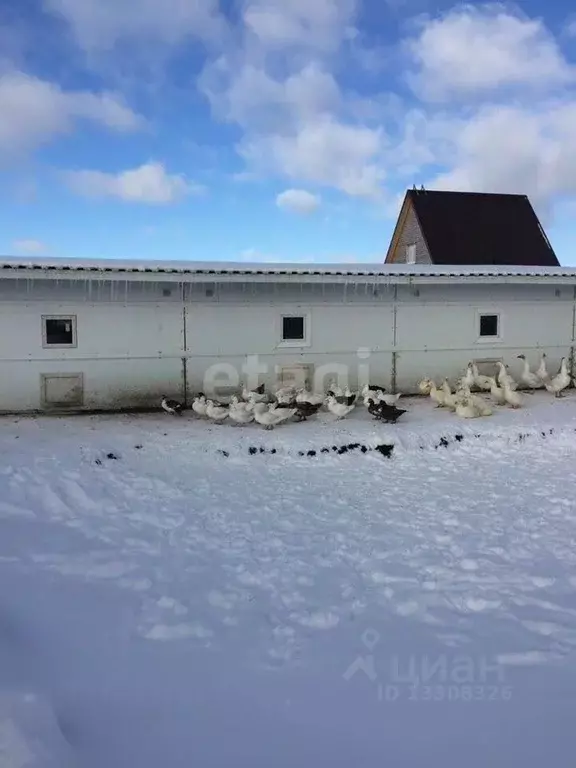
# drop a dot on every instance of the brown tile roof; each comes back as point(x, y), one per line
point(479, 228)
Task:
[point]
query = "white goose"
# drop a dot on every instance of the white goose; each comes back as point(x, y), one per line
point(560, 381)
point(340, 410)
point(465, 408)
point(450, 400)
point(468, 379)
point(428, 387)
point(303, 396)
point(496, 392)
point(475, 401)
point(513, 398)
point(257, 395)
point(269, 417)
point(389, 399)
point(503, 375)
point(241, 413)
point(542, 371)
point(199, 404)
point(531, 380)
point(481, 381)
point(216, 412)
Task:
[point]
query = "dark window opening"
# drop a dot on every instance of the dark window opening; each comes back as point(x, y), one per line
point(488, 325)
point(60, 331)
point(293, 328)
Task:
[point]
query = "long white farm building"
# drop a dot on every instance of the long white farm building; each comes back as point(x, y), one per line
point(114, 334)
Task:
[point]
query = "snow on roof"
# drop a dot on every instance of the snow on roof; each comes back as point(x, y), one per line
point(244, 268)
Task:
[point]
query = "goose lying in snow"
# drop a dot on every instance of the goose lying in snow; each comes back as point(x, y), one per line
point(560, 381)
point(241, 413)
point(531, 380)
point(199, 404)
point(271, 416)
point(340, 410)
point(256, 395)
point(467, 407)
point(464, 396)
point(449, 398)
point(216, 412)
point(171, 406)
point(481, 381)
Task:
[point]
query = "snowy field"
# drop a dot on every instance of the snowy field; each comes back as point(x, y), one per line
point(169, 599)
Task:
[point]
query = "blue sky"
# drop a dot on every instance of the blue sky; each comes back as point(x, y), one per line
point(274, 130)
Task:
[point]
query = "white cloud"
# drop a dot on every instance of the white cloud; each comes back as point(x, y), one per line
point(32, 247)
point(150, 183)
point(297, 124)
point(477, 50)
point(34, 111)
point(101, 25)
point(298, 201)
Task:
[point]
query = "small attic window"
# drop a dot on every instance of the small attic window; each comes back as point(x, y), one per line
point(411, 253)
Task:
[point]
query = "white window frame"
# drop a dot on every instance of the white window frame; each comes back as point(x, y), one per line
point(488, 339)
point(411, 253)
point(305, 342)
point(72, 319)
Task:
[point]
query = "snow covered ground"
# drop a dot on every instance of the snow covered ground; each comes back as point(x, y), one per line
point(166, 604)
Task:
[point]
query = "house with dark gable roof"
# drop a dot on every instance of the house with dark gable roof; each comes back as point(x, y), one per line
point(469, 228)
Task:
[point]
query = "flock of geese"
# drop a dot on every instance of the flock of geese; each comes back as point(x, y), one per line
point(503, 388)
point(290, 404)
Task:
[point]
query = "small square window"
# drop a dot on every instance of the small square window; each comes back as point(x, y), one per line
point(59, 331)
point(489, 325)
point(293, 328)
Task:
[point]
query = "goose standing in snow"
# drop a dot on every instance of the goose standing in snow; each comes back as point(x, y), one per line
point(531, 380)
point(348, 398)
point(390, 399)
point(496, 392)
point(383, 412)
point(216, 412)
point(285, 395)
point(269, 417)
point(199, 404)
point(560, 381)
point(340, 410)
point(303, 396)
point(428, 387)
point(172, 407)
point(513, 398)
point(542, 371)
point(306, 409)
point(468, 379)
point(503, 375)
point(372, 391)
point(241, 413)
point(449, 398)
